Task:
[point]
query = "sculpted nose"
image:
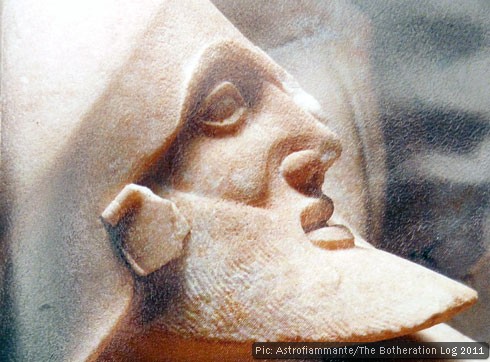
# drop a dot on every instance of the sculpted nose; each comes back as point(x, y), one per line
point(305, 170)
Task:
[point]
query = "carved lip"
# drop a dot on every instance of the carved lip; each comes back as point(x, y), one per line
point(314, 220)
point(316, 214)
point(332, 237)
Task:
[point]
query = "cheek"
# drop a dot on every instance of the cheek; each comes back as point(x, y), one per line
point(232, 168)
point(247, 185)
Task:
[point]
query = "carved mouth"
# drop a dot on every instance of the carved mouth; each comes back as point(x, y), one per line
point(316, 215)
point(314, 220)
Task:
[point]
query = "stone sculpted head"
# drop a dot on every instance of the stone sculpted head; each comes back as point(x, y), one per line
point(191, 201)
point(261, 259)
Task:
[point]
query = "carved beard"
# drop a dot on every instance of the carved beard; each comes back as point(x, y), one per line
point(248, 274)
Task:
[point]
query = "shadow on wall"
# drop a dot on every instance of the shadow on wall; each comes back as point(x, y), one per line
point(436, 210)
point(431, 64)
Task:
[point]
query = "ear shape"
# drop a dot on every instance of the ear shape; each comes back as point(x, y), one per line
point(151, 229)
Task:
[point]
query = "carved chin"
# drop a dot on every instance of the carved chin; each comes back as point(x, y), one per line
point(241, 280)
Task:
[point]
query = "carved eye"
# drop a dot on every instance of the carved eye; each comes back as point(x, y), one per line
point(224, 109)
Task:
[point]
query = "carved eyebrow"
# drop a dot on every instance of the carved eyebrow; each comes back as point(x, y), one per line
point(304, 100)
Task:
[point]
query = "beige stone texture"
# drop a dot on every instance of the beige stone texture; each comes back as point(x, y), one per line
point(225, 141)
point(150, 230)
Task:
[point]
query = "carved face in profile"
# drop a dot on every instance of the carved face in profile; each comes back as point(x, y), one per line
point(263, 260)
point(205, 162)
point(251, 140)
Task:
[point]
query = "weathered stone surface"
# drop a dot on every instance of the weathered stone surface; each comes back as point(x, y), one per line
point(226, 138)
